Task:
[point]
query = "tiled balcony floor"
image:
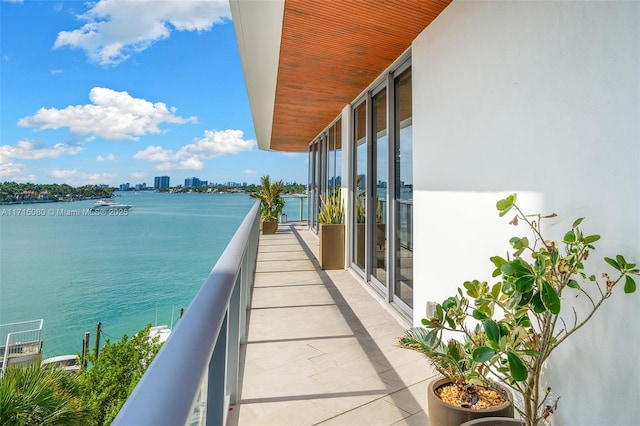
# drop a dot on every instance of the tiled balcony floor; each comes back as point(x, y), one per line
point(320, 347)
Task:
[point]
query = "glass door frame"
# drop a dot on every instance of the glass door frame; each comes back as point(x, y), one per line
point(372, 189)
point(354, 188)
point(319, 152)
point(393, 207)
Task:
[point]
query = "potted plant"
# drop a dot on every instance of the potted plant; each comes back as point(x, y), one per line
point(271, 204)
point(515, 324)
point(461, 393)
point(331, 231)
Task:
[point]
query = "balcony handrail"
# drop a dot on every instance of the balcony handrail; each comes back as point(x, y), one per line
point(203, 344)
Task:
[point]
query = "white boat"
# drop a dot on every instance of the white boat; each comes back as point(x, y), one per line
point(109, 205)
point(66, 362)
point(162, 331)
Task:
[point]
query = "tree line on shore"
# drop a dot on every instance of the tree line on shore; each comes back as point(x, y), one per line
point(30, 192)
point(13, 192)
point(287, 188)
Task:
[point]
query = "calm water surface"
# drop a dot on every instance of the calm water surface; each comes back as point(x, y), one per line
point(123, 271)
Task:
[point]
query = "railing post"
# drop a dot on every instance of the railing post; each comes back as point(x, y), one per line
point(216, 398)
point(244, 292)
point(301, 207)
point(234, 316)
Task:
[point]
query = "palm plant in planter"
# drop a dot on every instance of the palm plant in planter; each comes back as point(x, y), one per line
point(331, 231)
point(271, 204)
point(515, 324)
point(463, 393)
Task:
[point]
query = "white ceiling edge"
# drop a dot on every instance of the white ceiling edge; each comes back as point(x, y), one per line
point(258, 27)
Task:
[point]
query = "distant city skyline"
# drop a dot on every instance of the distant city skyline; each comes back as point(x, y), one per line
point(97, 93)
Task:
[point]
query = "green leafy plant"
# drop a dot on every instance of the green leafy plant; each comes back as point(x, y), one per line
point(40, 396)
point(271, 201)
point(331, 208)
point(511, 327)
point(453, 359)
point(114, 373)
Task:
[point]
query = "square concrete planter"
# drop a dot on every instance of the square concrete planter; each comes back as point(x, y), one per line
point(269, 226)
point(331, 246)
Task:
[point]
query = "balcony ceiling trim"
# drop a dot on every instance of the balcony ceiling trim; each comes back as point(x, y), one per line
point(326, 54)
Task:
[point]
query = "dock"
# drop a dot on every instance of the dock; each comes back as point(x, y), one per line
point(20, 343)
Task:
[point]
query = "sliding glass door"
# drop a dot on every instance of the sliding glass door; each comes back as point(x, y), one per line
point(403, 190)
point(381, 236)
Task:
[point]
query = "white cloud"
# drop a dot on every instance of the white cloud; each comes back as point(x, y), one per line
point(24, 179)
point(76, 177)
point(112, 116)
point(191, 163)
point(138, 175)
point(8, 168)
point(291, 154)
point(115, 29)
point(63, 174)
point(214, 144)
point(250, 172)
point(154, 154)
point(109, 157)
point(27, 150)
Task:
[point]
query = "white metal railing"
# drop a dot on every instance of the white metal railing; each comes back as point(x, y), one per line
point(302, 201)
point(21, 340)
point(194, 377)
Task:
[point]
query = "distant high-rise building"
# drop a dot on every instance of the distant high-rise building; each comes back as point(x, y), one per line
point(161, 182)
point(193, 182)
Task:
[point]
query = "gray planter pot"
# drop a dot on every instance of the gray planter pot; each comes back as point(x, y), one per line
point(494, 421)
point(442, 414)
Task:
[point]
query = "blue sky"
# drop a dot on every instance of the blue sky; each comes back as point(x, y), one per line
point(116, 91)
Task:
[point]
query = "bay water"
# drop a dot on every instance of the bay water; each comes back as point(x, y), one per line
point(74, 270)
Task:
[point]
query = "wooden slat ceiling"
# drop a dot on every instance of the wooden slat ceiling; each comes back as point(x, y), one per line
point(330, 51)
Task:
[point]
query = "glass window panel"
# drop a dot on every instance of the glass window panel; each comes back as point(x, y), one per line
point(331, 143)
point(360, 185)
point(403, 286)
point(381, 178)
point(338, 163)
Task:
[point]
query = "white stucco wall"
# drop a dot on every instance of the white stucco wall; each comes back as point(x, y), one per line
point(543, 99)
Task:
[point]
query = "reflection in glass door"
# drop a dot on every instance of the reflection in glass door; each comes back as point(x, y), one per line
point(312, 187)
point(379, 187)
point(360, 188)
point(403, 211)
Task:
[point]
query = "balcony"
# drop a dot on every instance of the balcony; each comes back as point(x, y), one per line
point(320, 347)
point(317, 347)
